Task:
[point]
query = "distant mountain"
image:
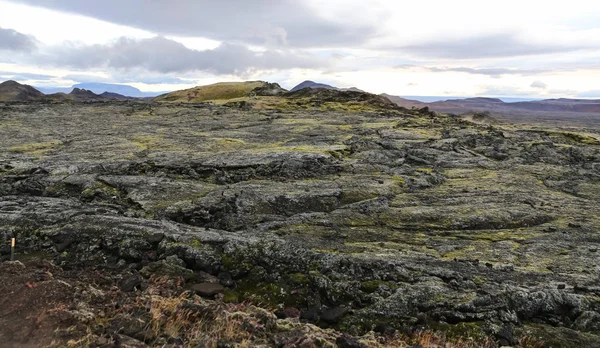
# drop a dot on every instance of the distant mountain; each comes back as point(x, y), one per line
point(99, 88)
point(80, 94)
point(406, 103)
point(84, 94)
point(124, 90)
point(497, 106)
point(14, 91)
point(311, 84)
point(110, 95)
point(435, 98)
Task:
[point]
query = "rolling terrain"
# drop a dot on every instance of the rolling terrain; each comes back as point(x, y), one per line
point(242, 214)
point(579, 112)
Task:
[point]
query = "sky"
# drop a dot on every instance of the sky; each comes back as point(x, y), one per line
point(529, 49)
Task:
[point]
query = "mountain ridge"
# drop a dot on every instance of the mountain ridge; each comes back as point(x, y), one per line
point(498, 106)
point(99, 88)
point(14, 91)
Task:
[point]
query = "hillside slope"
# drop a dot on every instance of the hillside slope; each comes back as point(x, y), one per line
point(217, 91)
point(499, 106)
point(14, 91)
point(406, 103)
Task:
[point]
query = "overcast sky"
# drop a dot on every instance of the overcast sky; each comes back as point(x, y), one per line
point(447, 48)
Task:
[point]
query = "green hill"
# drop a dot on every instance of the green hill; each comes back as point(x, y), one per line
point(217, 91)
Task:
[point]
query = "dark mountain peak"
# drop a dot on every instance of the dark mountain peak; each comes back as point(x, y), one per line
point(268, 89)
point(10, 83)
point(311, 84)
point(13, 91)
point(80, 94)
point(83, 92)
point(77, 90)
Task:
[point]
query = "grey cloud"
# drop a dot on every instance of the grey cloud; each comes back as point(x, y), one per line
point(493, 72)
point(276, 22)
point(153, 79)
point(87, 78)
point(128, 77)
point(161, 55)
point(24, 76)
point(539, 84)
point(490, 71)
point(405, 66)
point(488, 46)
point(14, 41)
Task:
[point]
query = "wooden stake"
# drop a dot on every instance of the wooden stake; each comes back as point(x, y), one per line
point(12, 249)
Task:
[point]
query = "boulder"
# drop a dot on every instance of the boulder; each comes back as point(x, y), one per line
point(207, 289)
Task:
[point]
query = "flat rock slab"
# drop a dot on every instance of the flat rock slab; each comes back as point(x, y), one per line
point(334, 314)
point(207, 289)
point(131, 283)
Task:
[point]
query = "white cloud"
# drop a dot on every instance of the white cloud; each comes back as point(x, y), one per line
point(342, 42)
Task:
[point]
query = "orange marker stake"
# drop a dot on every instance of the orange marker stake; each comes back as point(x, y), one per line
point(12, 249)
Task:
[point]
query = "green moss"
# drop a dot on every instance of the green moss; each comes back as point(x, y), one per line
point(227, 261)
point(576, 137)
point(270, 295)
point(227, 145)
point(146, 142)
point(101, 190)
point(472, 331)
point(371, 286)
point(399, 180)
point(231, 296)
point(351, 196)
point(36, 148)
point(479, 281)
point(300, 278)
point(538, 335)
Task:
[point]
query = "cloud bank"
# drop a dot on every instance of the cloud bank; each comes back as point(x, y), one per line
point(11, 40)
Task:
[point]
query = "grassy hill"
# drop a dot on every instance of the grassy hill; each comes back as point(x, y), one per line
point(264, 95)
point(217, 91)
